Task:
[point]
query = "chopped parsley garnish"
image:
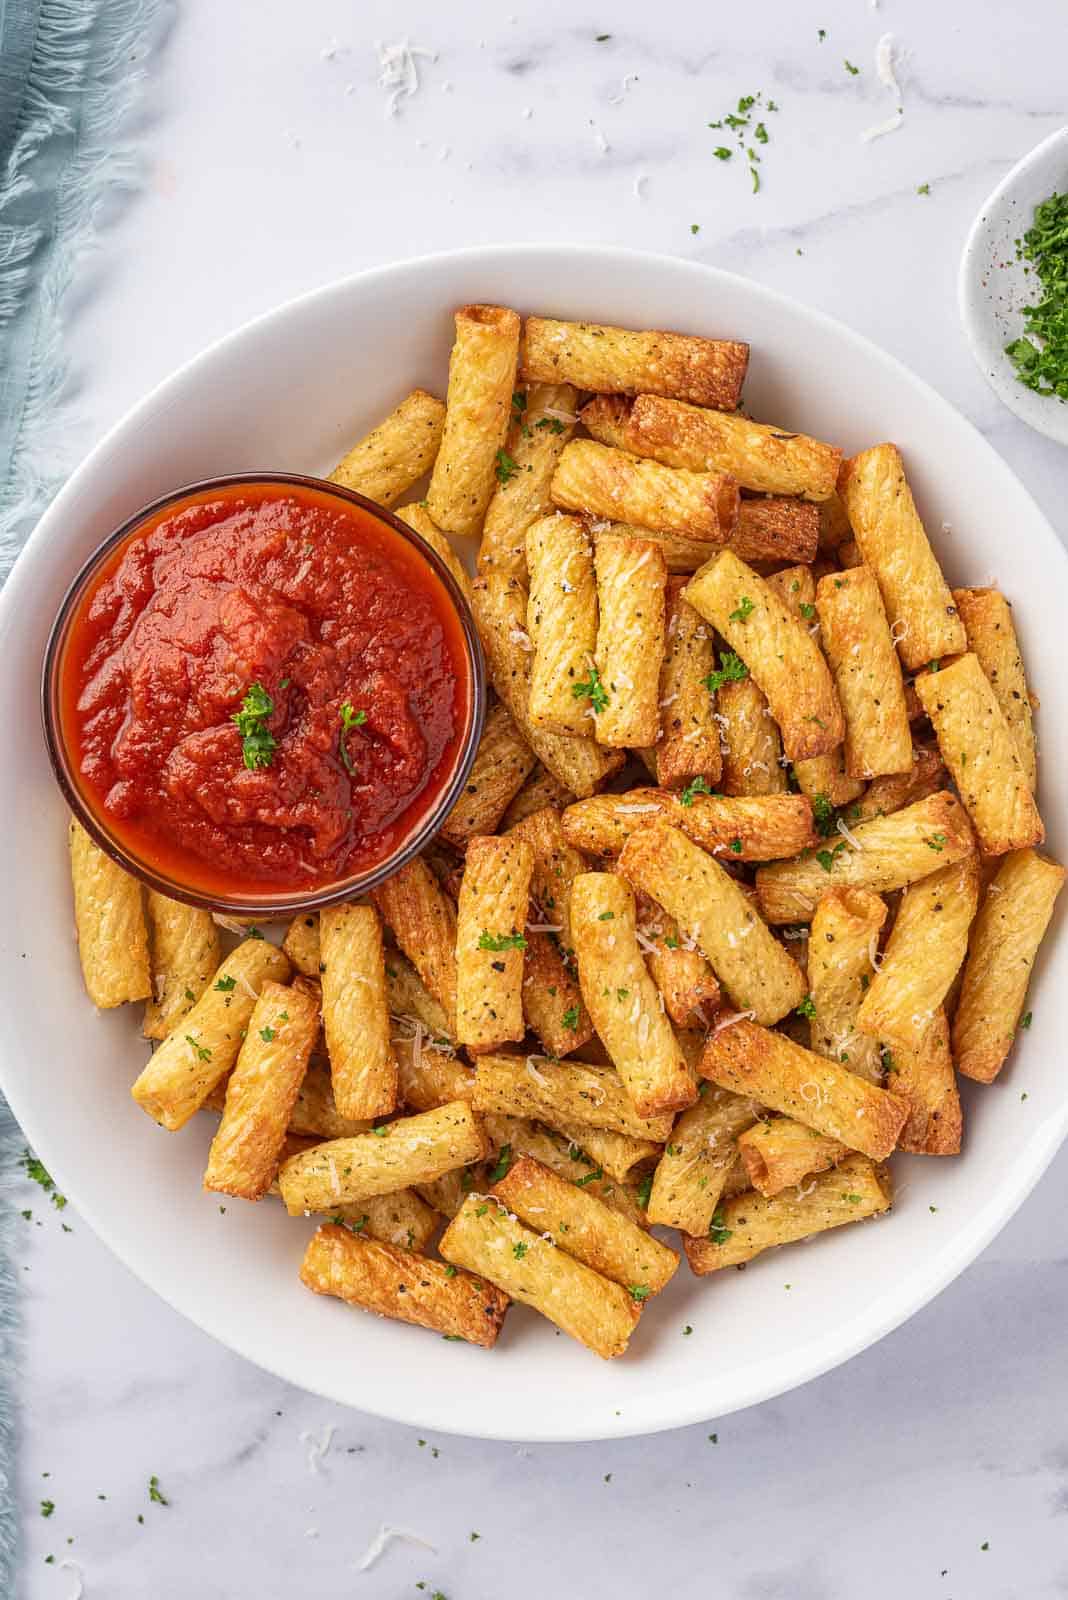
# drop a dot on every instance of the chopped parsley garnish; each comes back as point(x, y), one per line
point(258, 744)
point(36, 1170)
point(267, 1034)
point(639, 1291)
point(606, 916)
point(380, 1132)
point(506, 468)
point(450, 1271)
point(807, 1008)
point(851, 1199)
point(732, 669)
point(519, 403)
point(201, 1051)
point(1040, 355)
point(519, 1250)
point(807, 611)
point(826, 858)
point(349, 719)
point(851, 69)
point(934, 665)
point(923, 188)
point(553, 424)
point(736, 847)
point(504, 1161)
point(591, 689)
point(821, 34)
point(47, 1507)
point(744, 610)
point(698, 786)
point(718, 1232)
point(721, 153)
point(1025, 1020)
point(501, 941)
point(936, 842)
point(671, 941)
point(155, 1494)
point(695, 227)
point(590, 1177)
point(570, 1018)
point(645, 1189)
point(823, 815)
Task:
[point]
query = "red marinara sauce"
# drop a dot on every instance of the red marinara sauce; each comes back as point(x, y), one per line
point(322, 623)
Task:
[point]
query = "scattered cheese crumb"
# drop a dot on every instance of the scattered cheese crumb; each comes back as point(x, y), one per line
point(385, 1536)
point(398, 73)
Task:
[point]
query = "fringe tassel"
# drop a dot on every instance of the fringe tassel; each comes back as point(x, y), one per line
point(86, 76)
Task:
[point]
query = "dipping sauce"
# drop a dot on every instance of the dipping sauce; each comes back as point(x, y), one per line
point(264, 689)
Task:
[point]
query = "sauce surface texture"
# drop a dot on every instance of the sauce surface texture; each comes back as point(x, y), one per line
point(264, 689)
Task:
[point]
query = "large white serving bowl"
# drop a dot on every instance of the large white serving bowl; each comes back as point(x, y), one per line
point(291, 391)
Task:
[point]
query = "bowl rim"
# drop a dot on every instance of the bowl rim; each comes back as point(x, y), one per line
point(840, 1342)
point(283, 903)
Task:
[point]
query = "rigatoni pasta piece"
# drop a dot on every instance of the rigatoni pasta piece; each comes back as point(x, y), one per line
point(842, 952)
point(1014, 916)
point(540, 790)
point(512, 1137)
point(184, 951)
point(561, 621)
point(617, 1155)
point(447, 1194)
point(556, 866)
point(750, 1224)
point(421, 915)
point(109, 921)
point(982, 754)
point(502, 763)
point(713, 910)
point(764, 828)
point(552, 1000)
point(687, 984)
point(406, 1152)
point(824, 780)
point(429, 1075)
point(783, 659)
point(421, 522)
point(384, 465)
point(602, 482)
point(301, 944)
point(622, 998)
point(987, 618)
point(922, 957)
point(624, 693)
point(261, 1092)
point(563, 1093)
point(363, 1067)
point(867, 674)
point(314, 1113)
point(586, 1228)
point(402, 1285)
point(925, 1078)
point(682, 554)
point(779, 1152)
point(543, 421)
point(771, 1068)
point(202, 1049)
point(608, 360)
point(688, 742)
point(700, 1154)
point(410, 1000)
point(762, 457)
point(402, 1219)
point(483, 1238)
point(478, 405)
point(776, 530)
point(919, 606)
point(887, 853)
point(500, 608)
point(834, 525)
point(750, 742)
point(490, 941)
point(926, 776)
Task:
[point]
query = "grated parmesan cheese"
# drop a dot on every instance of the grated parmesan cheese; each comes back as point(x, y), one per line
point(318, 1448)
point(384, 1537)
point(731, 1018)
point(398, 74)
point(67, 1565)
point(848, 835)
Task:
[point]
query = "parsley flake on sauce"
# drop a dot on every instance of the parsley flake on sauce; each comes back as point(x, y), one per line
point(350, 718)
point(258, 744)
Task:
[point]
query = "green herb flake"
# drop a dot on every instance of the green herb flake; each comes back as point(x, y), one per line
point(826, 858)
point(201, 1051)
point(519, 1250)
point(639, 1291)
point(47, 1507)
point(501, 941)
point(1040, 355)
point(744, 610)
point(936, 843)
point(506, 468)
point(645, 1189)
point(807, 1008)
point(570, 1019)
point(687, 1330)
point(851, 69)
point(592, 689)
point(1025, 1020)
point(823, 815)
point(721, 152)
point(695, 227)
point(504, 1161)
point(698, 786)
point(923, 188)
point(807, 611)
point(718, 1232)
point(267, 1034)
point(606, 916)
point(732, 669)
point(155, 1493)
point(590, 1177)
point(36, 1170)
point(258, 744)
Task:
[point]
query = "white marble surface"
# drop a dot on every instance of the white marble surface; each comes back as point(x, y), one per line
point(269, 175)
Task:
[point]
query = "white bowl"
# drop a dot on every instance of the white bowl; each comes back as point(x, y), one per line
point(292, 390)
point(993, 285)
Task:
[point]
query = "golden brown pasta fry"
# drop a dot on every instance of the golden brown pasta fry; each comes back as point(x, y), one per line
point(502, 764)
point(771, 1068)
point(261, 1092)
point(384, 465)
point(841, 964)
point(540, 790)
point(518, 1136)
point(552, 1000)
point(783, 659)
point(776, 530)
point(301, 944)
point(421, 915)
point(398, 1283)
point(982, 754)
point(356, 1011)
point(483, 1238)
point(561, 621)
point(572, 1094)
point(919, 607)
point(602, 482)
point(765, 828)
point(751, 746)
point(779, 1153)
point(1014, 916)
point(481, 384)
point(699, 1156)
point(185, 951)
point(110, 924)
point(556, 866)
point(625, 694)
point(885, 795)
point(987, 618)
point(421, 522)
point(687, 984)
point(429, 1075)
point(490, 940)
point(925, 1078)
point(892, 851)
point(749, 1224)
point(688, 742)
point(607, 360)
point(543, 421)
point(856, 639)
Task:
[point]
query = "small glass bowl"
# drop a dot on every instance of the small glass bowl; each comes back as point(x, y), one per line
point(257, 904)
